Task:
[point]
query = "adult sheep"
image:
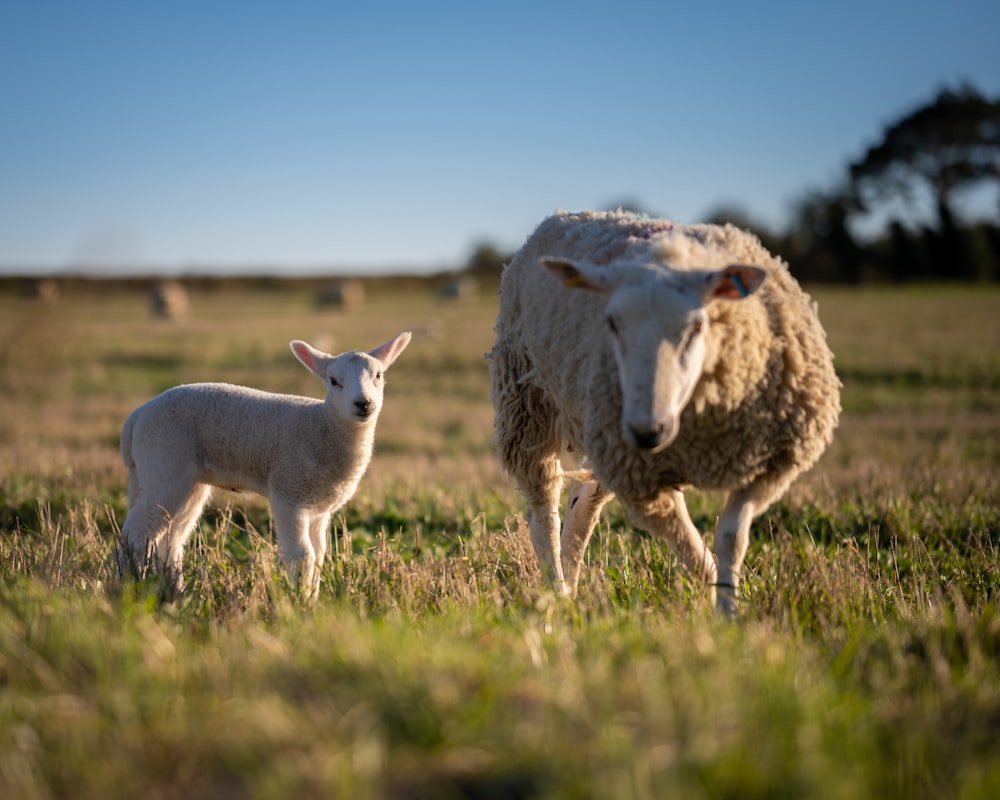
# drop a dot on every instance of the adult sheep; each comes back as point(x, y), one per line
point(669, 356)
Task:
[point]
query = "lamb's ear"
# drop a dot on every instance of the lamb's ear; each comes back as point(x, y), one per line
point(389, 352)
point(732, 283)
point(580, 274)
point(314, 360)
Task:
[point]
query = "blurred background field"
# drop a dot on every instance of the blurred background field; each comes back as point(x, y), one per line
point(866, 660)
point(205, 142)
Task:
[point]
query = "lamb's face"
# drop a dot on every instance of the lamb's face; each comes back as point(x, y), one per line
point(354, 386)
point(355, 380)
point(657, 330)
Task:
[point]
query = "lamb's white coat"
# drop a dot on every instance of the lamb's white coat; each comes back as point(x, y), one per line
point(305, 455)
point(667, 356)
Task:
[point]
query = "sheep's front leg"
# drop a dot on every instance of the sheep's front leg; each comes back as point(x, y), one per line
point(732, 537)
point(543, 520)
point(667, 516)
point(292, 529)
point(586, 499)
point(542, 506)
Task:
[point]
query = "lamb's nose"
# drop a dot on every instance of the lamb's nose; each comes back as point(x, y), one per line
point(364, 406)
point(646, 438)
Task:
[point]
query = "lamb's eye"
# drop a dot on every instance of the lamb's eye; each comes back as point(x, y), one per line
point(334, 382)
point(378, 376)
point(612, 325)
point(696, 328)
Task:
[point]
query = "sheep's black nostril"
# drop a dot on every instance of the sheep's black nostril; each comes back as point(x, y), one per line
point(646, 438)
point(364, 407)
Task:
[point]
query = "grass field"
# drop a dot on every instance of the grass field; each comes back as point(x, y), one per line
point(865, 662)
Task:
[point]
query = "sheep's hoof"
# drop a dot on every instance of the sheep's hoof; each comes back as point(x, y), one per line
point(726, 601)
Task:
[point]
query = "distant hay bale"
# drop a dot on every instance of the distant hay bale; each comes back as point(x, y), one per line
point(168, 300)
point(461, 287)
point(345, 295)
point(44, 289)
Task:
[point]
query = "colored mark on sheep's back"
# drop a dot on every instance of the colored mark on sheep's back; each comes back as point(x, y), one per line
point(649, 229)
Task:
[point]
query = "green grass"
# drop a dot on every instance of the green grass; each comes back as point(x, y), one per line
point(865, 661)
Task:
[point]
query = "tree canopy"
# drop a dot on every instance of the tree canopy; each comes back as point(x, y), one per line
point(945, 145)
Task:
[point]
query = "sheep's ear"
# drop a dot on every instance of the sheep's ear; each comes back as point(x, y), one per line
point(580, 274)
point(389, 352)
point(732, 283)
point(314, 360)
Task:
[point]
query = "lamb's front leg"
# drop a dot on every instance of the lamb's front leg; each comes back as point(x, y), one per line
point(292, 529)
point(732, 538)
point(319, 526)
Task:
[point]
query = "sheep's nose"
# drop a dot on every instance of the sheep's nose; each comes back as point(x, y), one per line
point(364, 406)
point(646, 438)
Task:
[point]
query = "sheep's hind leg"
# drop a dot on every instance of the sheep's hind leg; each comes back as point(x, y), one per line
point(292, 530)
point(668, 517)
point(583, 507)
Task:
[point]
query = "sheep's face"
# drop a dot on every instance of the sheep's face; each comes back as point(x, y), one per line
point(354, 381)
point(657, 335)
point(657, 322)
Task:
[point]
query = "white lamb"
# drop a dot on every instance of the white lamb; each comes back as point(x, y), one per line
point(305, 455)
point(668, 356)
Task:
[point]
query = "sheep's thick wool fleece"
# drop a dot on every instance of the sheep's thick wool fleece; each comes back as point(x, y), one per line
point(765, 407)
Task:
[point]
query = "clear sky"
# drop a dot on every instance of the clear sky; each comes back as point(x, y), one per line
point(295, 136)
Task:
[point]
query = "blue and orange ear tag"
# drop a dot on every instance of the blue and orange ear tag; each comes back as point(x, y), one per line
point(738, 283)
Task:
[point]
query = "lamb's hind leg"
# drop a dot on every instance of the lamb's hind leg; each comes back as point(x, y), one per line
point(170, 548)
point(158, 525)
point(667, 516)
point(137, 546)
point(583, 507)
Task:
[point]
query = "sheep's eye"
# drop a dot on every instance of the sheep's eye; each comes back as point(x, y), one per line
point(378, 376)
point(696, 327)
point(334, 382)
point(612, 325)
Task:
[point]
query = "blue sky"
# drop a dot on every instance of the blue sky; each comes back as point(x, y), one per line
point(298, 136)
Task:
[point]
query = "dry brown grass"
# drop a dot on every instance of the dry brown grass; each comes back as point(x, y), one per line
point(865, 662)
